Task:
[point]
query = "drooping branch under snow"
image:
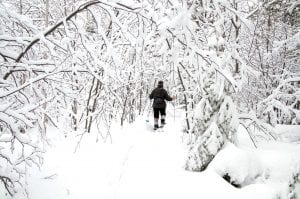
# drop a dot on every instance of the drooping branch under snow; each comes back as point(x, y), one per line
point(209, 62)
point(7, 184)
point(261, 126)
point(2, 95)
point(81, 8)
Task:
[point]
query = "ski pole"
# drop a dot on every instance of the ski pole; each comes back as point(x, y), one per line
point(174, 108)
point(174, 111)
point(149, 110)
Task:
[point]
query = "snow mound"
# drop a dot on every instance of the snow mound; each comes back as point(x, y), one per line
point(270, 171)
point(289, 133)
point(242, 166)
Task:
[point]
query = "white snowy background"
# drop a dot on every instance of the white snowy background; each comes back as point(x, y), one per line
point(76, 120)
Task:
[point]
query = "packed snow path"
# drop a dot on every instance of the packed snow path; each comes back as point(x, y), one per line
point(153, 167)
point(137, 163)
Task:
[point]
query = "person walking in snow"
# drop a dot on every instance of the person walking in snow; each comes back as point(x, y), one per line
point(159, 95)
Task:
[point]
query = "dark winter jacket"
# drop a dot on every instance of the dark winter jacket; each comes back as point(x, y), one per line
point(159, 95)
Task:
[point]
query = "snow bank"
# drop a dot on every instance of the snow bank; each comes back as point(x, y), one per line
point(289, 133)
point(268, 171)
point(242, 166)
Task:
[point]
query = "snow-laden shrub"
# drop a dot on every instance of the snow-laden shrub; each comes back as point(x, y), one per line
point(282, 106)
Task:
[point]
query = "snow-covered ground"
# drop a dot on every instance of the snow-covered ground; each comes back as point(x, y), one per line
point(139, 163)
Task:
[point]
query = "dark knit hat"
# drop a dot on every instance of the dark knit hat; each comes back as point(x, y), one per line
point(160, 83)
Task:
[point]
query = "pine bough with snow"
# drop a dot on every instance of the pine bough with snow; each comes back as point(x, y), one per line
point(215, 123)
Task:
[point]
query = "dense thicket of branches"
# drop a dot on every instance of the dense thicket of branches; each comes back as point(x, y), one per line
point(274, 92)
point(82, 65)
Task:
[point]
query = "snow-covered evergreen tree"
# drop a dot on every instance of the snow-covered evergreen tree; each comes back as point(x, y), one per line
point(215, 123)
point(215, 117)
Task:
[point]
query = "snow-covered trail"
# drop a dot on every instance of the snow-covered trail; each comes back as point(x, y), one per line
point(137, 163)
point(154, 168)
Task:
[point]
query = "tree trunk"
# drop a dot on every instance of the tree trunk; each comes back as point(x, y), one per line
point(47, 14)
point(185, 100)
